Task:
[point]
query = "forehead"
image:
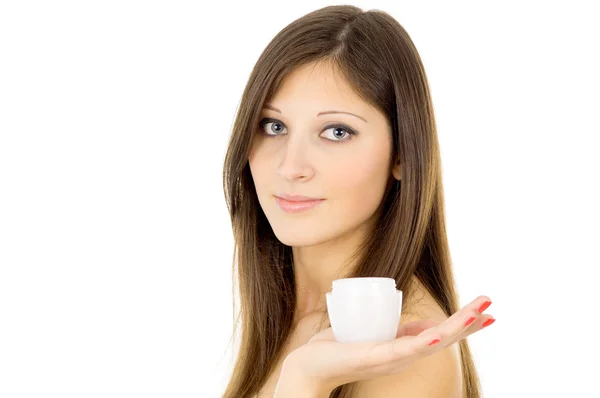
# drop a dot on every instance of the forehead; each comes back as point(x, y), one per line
point(317, 85)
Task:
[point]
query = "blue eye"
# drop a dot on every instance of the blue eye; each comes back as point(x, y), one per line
point(274, 123)
point(277, 127)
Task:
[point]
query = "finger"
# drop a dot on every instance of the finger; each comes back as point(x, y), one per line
point(416, 327)
point(462, 320)
point(403, 348)
point(475, 327)
point(409, 348)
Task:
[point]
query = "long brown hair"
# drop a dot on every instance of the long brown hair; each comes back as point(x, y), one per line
point(377, 57)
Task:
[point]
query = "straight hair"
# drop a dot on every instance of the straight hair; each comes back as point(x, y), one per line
point(376, 56)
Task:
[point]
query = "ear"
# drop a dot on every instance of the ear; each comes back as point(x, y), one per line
point(397, 170)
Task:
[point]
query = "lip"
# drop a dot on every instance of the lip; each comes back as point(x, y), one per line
point(297, 198)
point(295, 206)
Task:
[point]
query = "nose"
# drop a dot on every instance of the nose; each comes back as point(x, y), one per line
point(294, 166)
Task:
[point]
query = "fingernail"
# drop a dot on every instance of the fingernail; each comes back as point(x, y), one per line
point(470, 321)
point(434, 341)
point(488, 322)
point(484, 306)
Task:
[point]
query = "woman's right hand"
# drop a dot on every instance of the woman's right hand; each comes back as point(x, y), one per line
point(329, 364)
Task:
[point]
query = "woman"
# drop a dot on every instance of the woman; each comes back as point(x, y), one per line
point(333, 170)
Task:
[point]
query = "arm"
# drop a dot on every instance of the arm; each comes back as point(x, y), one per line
point(293, 383)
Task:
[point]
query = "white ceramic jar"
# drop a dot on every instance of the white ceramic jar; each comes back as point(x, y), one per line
point(364, 309)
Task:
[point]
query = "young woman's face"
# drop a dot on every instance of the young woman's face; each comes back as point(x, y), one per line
point(298, 152)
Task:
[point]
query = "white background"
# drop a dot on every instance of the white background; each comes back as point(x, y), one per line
point(115, 241)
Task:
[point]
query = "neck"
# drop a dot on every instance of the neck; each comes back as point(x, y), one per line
point(316, 267)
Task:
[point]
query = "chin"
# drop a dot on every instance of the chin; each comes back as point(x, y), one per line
point(298, 238)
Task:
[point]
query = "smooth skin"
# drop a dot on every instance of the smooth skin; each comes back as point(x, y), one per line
point(322, 364)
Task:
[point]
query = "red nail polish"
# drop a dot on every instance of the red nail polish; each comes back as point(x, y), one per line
point(488, 322)
point(484, 306)
point(434, 341)
point(470, 321)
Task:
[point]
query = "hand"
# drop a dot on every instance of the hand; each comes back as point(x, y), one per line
point(328, 364)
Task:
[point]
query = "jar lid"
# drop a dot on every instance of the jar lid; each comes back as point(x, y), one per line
point(364, 285)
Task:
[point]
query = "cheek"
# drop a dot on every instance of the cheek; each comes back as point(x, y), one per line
point(257, 174)
point(362, 179)
point(255, 162)
point(359, 190)
point(261, 172)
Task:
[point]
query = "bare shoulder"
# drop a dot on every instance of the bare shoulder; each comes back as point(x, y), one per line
point(437, 375)
point(421, 305)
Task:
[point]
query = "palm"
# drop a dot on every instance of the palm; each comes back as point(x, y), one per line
point(342, 360)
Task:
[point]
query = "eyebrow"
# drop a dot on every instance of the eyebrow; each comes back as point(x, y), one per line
point(271, 107)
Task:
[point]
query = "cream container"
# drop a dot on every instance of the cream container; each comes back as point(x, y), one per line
point(364, 309)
